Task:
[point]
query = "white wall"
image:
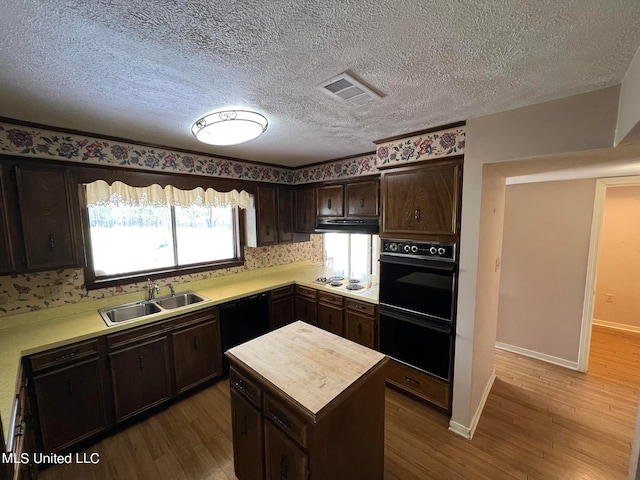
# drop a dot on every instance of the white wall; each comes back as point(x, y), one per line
point(567, 125)
point(547, 228)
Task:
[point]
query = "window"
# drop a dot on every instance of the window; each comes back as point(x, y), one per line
point(354, 255)
point(135, 231)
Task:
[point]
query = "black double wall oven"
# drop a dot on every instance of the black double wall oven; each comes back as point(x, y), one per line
point(418, 284)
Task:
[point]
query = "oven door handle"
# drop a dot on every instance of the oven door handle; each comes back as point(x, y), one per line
point(444, 265)
point(423, 322)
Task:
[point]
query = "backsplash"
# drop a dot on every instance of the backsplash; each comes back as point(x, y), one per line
point(36, 291)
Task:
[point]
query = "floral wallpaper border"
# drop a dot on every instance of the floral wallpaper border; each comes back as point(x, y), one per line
point(49, 144)
point(443, 143)
point(28, 292)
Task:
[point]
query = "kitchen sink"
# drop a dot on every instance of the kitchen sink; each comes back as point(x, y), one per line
point(133, 311)
point(130, 312)
point(177, 301)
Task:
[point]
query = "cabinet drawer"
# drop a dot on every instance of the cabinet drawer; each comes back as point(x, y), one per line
point(330, 298)
point(419, 383)
point(285, 418)
point(193, 318)
point(306, 291)
point(282, 292)
point(63, 355)
point(362, 307)
point(246, 386)
point(134, 334)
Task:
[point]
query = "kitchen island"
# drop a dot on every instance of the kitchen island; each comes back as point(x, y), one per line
point(307, 404)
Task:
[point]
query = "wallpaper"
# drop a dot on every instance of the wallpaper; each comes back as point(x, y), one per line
point(34, 291)
point(27, 292)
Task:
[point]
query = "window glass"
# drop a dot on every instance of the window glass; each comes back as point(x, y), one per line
point(352, 255)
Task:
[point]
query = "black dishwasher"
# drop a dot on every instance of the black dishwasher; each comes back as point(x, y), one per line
point(243, 320)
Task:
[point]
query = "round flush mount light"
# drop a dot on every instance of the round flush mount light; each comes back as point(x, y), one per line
point(229, 127)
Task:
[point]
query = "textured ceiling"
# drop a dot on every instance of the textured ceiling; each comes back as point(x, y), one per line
point(146, 70)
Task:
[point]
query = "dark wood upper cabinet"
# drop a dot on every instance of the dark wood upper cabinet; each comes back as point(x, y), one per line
point(267, 216)
point(6, 253)
point(422, 201)
point(305, 209)
point(362, 199)
point(329, 201)
point(274, 208)
point(285, 214)
point(48, 215)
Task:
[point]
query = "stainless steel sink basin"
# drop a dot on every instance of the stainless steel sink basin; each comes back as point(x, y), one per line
point(181, 300)
point(129, 312)
point(133, 311)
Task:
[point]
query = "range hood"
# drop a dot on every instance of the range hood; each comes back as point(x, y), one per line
point(348, 225)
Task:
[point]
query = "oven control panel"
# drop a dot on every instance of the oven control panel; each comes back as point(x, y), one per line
point(429, 250)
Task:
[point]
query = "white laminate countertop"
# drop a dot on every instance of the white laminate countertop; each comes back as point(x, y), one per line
point(41, 330)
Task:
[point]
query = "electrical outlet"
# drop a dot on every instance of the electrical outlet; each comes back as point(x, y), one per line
point(53, 292)
point(609, 298)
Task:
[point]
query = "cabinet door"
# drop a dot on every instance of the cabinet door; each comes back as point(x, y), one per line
point(422, 200)
point(140, 376)
point(70, 404)
point(267, 216)
point(6, 254)
point(330, 318)
point(197, 354)
point(360, 328)
point(47, 214)
point(284, 458)
point(248, 447)
point(282, 312)
point(306, 310)
point(329, 201)
point(305, 210)
point(285, 215)
point(362, 199)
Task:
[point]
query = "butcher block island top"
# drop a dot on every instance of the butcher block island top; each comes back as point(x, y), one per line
point(307, 404)
point(309, 365)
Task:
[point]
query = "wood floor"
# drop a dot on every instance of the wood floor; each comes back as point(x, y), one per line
point(540, 422)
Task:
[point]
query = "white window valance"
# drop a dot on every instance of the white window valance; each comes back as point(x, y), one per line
point(101, 193)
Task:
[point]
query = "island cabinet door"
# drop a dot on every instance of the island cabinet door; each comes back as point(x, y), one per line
point(140, 376)
point(248, 447)
point(284, 459)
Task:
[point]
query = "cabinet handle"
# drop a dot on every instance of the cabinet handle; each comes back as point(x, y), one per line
point(52, 242)
point(284, 467)
point(329, 204)
point(70, 386)
point(141, 361)
point(268, 230)
point(66, 355)
point(281, 418)
point(417, 215)
point(361, 202)
point(359, 329)
point(195, 342)
point(304, 218)
point(244, 430)
point(240, 385)
point(20, 429)
point(412, 381)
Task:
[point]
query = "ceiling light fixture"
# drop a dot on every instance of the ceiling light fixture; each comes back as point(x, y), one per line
point(229, 127)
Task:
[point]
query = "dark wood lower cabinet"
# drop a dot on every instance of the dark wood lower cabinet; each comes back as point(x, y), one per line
point(70, 404)
point(284, 459)
point(140, 376)
point(196, 354)
point(246, 422)
point(282, 307)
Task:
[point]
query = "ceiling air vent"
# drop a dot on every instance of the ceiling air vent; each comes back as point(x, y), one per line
point(347, 88)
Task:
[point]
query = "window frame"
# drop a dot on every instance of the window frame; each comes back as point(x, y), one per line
point(143, 179)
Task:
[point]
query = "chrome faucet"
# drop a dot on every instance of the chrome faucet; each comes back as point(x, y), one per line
point(152, 289)
point(173, 292)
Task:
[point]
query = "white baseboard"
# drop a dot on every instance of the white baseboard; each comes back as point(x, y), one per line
point(563, 362)
point(467, 432)
point(617, 326)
